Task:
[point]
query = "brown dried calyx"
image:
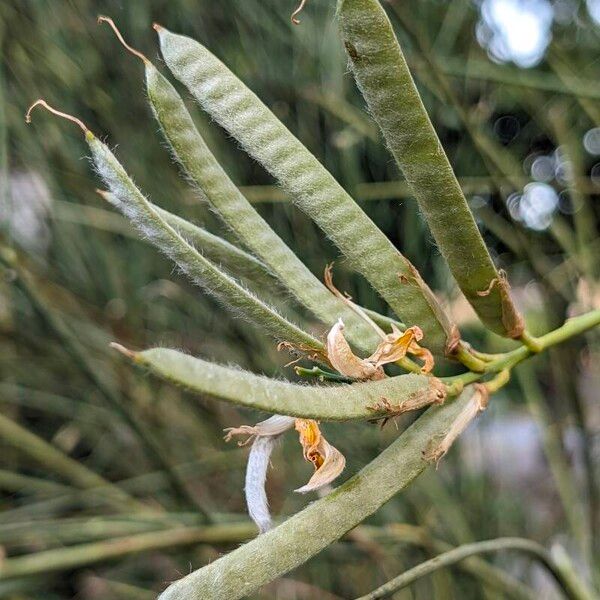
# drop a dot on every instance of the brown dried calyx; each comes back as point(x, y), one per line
point(511, 318)
point(476, 404)
point(393, 347)
point(436, 393)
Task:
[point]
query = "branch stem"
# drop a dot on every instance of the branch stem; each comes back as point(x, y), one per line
point(571, 328)
point(572, 588)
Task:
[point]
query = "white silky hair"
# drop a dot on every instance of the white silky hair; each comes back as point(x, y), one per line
point(275, 425)
point(256, 476)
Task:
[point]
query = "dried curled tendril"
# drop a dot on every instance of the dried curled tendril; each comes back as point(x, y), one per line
point(296, 21)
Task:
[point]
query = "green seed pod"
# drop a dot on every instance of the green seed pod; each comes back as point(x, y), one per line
point(385, 81)
point(214, 185)
point(313, 188)
point(198, 162)
point(236, 262)
point(244, 570)
point(134, 205)
point(328, 403)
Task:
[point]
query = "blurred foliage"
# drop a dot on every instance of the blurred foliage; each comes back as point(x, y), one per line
point(529, 468)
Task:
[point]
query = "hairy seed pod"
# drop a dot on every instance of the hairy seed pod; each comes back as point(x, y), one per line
point(202, 168)
point(385, 81)
point(324, 402)
point(311, 186)
point(134, 205)
point(219, 251)
point(214, 185)
point(241, 572)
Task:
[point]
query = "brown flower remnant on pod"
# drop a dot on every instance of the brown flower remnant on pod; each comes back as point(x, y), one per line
point(393, 347)
point(344, 361)
point(327, 460)
point(512, 320)
point(477, 403)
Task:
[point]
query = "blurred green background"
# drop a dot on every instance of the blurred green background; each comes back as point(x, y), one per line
point(512, 87)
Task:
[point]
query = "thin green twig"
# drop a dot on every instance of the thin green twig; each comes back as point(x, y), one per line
point(567, 582)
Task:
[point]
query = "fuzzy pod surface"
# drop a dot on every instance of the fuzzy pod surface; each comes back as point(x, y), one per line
point(324, 402)
point(385, 81)
point(244, 570)
point(312, 188)
point(134, 205)
point(201, 166)
point(219, 251)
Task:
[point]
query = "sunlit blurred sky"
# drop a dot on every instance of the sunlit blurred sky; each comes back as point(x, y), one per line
point(519, 31)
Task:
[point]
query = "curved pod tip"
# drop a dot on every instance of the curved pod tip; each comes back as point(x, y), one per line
point(111, 24)
point(54, 111)
point(295, 14)
point(125, 351)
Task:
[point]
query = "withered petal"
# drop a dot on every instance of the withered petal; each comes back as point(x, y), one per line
point(344, 361)
point(393, 347)
point(435, 451)
point(256, 476)
point(425, 355)
point(333, 463)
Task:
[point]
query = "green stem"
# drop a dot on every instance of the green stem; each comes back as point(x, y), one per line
point(61, 532)
point(123, 591)
point(497, 580)
point(145, 484)
point(572, 589)
point(321, 375)
point(571, 328)
point(468, 358)
point(409, 365)
point(531, 342)
point(54, 460)
point(25, 282)
point(499, 381)
point(26, 484)
point(85, 554)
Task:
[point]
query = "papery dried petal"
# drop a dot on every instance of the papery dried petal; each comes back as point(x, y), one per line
point(332, 464)
point(476, 404)
point(344, 361)
point(423, 354)
point(395, 346)
point(256, 476)
point(398, 344)
point(275, 425)
point(310, 438)
point(327, 460)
